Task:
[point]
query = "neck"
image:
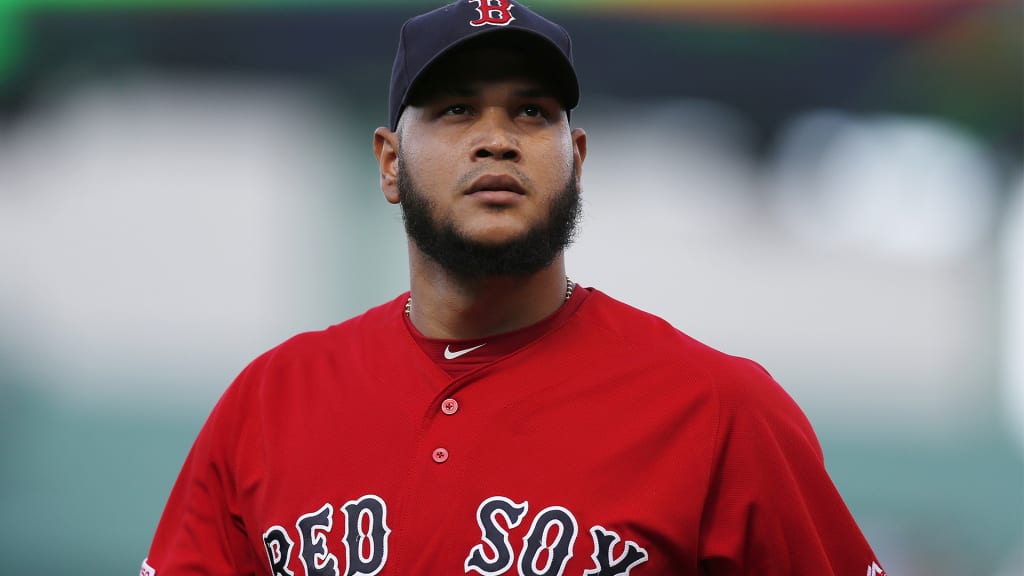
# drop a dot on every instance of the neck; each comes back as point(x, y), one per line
point(446, 306)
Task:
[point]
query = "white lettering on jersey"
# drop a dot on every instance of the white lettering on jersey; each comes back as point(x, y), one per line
point(279, 550)
point(366, 523)
point(497, 557)
point(604, 543)
point(538, 543)
point(313, 552)
point(545, 551)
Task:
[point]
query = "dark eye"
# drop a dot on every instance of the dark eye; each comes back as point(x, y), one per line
point(533, 111)
point(456, 110)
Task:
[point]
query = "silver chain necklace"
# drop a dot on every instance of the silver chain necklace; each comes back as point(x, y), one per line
point(569, 287)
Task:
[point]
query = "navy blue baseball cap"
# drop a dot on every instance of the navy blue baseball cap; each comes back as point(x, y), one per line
point(426, 38)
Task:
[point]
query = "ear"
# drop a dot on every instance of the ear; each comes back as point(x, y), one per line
point(579, 150)
point(385, 148)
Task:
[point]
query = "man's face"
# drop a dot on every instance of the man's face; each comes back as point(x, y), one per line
point(467, 257)
point(488, 169)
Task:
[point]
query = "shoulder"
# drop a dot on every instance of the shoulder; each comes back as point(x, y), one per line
point(645, 334)
point(306, 352)
point(742, 389)
point(338, 338)
point(292, 377)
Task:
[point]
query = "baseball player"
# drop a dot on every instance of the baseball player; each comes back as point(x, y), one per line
point(499, 419)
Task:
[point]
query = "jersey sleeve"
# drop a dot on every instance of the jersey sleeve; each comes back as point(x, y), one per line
point(201, 529)
point(772, 508)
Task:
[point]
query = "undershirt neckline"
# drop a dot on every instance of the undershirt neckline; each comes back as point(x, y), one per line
point(492, 348)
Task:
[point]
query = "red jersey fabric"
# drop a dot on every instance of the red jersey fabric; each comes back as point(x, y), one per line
point(457, 357)
point(610, 444)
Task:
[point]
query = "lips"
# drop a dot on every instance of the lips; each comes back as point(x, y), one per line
point(496, 183)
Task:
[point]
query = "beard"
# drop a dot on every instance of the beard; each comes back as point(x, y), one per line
point(466, 258)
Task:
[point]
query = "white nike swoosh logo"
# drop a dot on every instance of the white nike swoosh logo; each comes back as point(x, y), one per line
point(449, 355)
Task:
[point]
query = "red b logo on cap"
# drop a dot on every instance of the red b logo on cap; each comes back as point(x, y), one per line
point(493, 12)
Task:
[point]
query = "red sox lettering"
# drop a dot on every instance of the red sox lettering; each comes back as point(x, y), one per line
point(366, 541)
point(545, 551)
point(497, 557)
point(539, 539)
point(604, 541)
point(500, 556)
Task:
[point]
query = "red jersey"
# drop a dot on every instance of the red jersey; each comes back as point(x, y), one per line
point(609, 444)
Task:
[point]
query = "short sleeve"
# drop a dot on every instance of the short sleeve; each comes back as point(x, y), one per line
point(772, 508)
point(201, 530)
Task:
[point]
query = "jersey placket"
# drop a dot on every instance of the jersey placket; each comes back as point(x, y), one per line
point(436, 476)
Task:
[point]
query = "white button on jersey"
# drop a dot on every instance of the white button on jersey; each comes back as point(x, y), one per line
point(450, 406)
point(440, 455)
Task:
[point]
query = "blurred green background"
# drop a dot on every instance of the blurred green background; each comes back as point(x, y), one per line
point(831, 188)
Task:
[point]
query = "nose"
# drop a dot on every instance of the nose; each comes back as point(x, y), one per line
point(497, 137)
